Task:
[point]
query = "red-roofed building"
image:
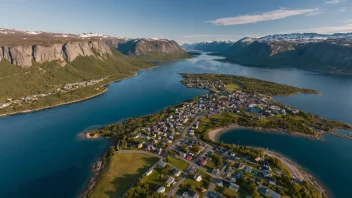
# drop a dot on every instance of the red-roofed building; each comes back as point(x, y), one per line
point(189, 158)
point(203, 162)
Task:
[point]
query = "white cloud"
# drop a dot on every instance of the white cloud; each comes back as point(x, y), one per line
point(348, 21)
point(335, 1)
point(315, 13)
point(265, 16)
point(344, 9)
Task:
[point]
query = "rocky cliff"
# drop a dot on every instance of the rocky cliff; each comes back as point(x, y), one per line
point(150, 46)
point(23, 55)
point(22, 48)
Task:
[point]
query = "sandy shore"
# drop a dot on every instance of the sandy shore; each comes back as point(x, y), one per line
point(214, 135)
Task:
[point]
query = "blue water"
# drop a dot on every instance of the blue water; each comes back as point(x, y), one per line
point(41, 154)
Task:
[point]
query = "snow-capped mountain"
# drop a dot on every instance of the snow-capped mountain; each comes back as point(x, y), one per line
point(209, 46)
point(305, 36)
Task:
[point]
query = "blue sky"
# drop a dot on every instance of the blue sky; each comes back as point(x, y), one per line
point(181, 20)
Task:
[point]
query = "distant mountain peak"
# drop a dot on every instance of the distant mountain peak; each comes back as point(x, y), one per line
point(305, 36)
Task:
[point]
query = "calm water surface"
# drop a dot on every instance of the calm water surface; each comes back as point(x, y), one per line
point(41, 154)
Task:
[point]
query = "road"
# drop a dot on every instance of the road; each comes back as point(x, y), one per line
point(183, 133)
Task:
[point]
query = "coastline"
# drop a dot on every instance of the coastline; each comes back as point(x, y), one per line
point(74, 101)
point(52, 106)
point(299, 172)
point(225, 60)
point(214, 134)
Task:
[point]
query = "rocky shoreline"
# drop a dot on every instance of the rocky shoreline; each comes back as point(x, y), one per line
point(96, 169)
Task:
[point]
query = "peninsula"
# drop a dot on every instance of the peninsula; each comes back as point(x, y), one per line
point(181, 160)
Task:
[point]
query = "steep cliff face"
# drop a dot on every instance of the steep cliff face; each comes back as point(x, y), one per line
point(150, 46)
point(18, 55)
point(22, 48)
point(22, 55)
point(334, 55)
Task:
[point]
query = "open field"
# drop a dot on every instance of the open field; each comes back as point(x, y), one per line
point(231, 87)
point(120, 172)
point(180, 164)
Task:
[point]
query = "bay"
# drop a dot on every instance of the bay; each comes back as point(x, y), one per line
point(41, 154)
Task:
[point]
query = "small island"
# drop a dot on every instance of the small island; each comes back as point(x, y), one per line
point(177, 157)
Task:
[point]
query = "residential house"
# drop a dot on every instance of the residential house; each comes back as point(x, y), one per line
point(190, 194)
point(272, 181)
point(234, 187)
point(170, 181)
point(267, 192)
point(189, 158)
point(150, 171)
point(203, 162)
point(219, 183)
point(215, 171)
point(198, 177)
point(266, 173)
point(192, 170)
point(162, 164)
point(239, 175)
point(161, 190)
point(176, 172)
point(247, 169)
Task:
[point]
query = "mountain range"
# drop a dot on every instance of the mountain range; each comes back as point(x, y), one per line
point(24, 47)
point(320, 52)
point(38, 63)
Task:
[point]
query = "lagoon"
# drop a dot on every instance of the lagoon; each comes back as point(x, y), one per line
point(42, 154)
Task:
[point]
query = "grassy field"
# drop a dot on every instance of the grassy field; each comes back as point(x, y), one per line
point(121, 171)
point(154, 179)
point(231, 87)
point(229, 192)
point(180, 164)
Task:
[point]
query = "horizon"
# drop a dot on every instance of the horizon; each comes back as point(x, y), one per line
point(184, 22)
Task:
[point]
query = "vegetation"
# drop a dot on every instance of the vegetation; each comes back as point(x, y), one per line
point(252, 85)
point(147, 186)
point(180, 164)
point(231, 87)
point(121, 171)
point(17, 82)
point(304, 123)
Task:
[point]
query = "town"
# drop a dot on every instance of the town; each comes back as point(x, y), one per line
point(10, 102)
point(191, 166)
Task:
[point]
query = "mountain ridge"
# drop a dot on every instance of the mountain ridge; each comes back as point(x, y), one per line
point(22, 48)
point(320, 52)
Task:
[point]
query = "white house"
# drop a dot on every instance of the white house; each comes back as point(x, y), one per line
point(170, 181)
point(234, 187)
point(176, 172)
point(161, 189)
point(149, 172)
point(198, 177)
